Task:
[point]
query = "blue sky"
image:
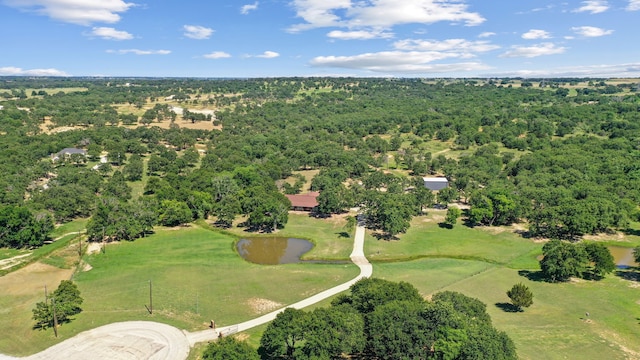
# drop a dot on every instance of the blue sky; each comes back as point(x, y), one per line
point(267, 38)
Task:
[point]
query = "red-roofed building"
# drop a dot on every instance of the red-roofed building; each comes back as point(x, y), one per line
point(304, 202)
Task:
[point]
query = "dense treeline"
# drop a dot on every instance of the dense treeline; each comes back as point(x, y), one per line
point(564, 164)
point(379, 319)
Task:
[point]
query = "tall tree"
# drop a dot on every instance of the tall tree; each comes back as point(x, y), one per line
point(601, 258)
point(66, 299)
point(520, 296)
point(562, 260)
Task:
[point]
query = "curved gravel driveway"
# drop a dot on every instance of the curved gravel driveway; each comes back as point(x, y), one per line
point(133, 340)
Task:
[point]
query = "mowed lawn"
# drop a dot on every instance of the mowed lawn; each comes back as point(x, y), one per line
point(555, 326)
point(196, 276)
point(426, 238)
point(485, 263)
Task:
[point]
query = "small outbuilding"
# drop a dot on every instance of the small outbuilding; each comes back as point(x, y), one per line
point(304, 202)
point(435, 183)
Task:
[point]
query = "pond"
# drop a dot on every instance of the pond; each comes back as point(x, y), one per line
point(622, 256)
point(273, 250)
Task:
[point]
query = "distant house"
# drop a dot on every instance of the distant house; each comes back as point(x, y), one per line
point(66, 153)
point(1, 107)
point(435, 183)
point(304, 202)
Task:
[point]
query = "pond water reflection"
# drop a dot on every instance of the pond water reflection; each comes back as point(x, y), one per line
point(273, 250)
point(622, 256)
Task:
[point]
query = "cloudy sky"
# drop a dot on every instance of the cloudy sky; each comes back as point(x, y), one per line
point(256, 38)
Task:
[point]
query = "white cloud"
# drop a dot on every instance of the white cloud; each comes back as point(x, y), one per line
point(140, 52)
point(197, 32)
point(359, 35)
point(82, 12)
point(486, 34)
point(533, 51)
point(217, 55)
point(536, 34)
point(110, 33)
point(634, 5)
point(268, 55)
point(606, 70)
point(245, 9)
point(457, 45)
point(397, 62)
point(380, 13)
point(593, 6)
point(16, 71)
point(591, 31)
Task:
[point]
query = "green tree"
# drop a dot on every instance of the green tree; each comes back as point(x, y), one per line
point(229, 348)
point(453, 213)
point(601, 258)
point(284, 336)
point(117, 187)
point(332, 200)
point(174, 213)
point(473, 309)
point(270, 212)
point(636, 254)
point(367, 294)
point(20, 228)
point(133, 170)
point(520, 296)
point(66, 299)
point(562, 260)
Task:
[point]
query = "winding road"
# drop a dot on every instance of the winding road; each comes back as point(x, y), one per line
point(152, 340)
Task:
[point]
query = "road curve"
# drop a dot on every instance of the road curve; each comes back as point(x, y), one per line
point(157, 341)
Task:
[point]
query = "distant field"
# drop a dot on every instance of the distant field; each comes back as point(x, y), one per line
point(50, 91)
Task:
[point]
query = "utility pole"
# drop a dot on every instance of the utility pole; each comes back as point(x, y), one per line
point(55, 316)
point(80, 246)
point(150, 298)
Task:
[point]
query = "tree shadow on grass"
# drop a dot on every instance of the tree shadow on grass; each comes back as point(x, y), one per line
point(533, 275)
point(445, 226)
point(343, 234)
point(629, 231)
point(507, 307)
point(385, 236)
point(628, 274)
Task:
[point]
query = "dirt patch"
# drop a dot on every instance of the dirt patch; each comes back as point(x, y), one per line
point(86, 266)
point(617, 236)
point(94, 248)
point(260, 306)
point(32, 278)
point(492, 229)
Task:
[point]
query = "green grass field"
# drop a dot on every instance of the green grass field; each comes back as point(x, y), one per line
point(555, 326)
point(425, 238)
point(196, 276)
